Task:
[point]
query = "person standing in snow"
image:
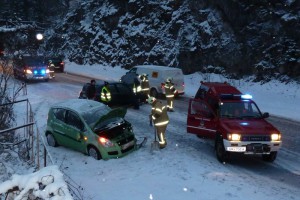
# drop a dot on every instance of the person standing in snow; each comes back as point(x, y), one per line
point(145, 84)
point(105, 93)
point(136, 88)
point(170, 93)
point(160, 119)
point(51, 67)
point(91, 90)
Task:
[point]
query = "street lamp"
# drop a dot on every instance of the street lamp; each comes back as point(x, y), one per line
point(39, 36)
point(39, 39)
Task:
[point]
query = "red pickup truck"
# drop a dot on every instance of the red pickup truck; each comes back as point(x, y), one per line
point(221, 112)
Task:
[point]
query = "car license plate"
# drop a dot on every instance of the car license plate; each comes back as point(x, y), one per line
point(236, 149)
point(125, 146)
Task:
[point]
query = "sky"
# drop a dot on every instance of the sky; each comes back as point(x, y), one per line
point(186, 169)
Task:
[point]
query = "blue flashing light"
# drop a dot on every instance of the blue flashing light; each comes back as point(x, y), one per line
point(244, 123)
point(246, 96)
point(35, 71)
point(43, 71)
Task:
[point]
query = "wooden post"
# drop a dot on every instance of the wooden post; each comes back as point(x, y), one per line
point(38, 147)
point(45, 156)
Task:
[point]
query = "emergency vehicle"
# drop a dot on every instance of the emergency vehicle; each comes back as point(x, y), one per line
point(221, 112)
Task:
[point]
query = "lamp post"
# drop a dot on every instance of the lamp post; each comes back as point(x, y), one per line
point(39, 36)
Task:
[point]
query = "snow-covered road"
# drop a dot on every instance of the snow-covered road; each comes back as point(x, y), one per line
point(185, 169)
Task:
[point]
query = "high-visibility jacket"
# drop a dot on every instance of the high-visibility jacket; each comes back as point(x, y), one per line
point(51, 67)
point(136, 88)
point(145, 85)
point(159, 114)
point(170, 90)
point(105, 94)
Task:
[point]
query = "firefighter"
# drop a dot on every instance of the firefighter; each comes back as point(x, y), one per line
point(136, 91)
point(51, 69)
point(145, 84)
point(160, 119)
point(136, 86)
point(105, 93)
point(170, 93)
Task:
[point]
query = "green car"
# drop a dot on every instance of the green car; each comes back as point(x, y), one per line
point(90, 127)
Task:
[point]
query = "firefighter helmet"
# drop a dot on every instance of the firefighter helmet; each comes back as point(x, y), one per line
point(151, 100)
point(169, 80)
point(142, 76)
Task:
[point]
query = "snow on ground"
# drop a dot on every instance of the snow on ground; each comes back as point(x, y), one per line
point(186, 168)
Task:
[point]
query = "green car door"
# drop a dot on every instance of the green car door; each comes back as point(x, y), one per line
point(74, 132)
point(56, 120)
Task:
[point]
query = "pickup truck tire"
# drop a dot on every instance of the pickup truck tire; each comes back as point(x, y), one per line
point(270, 157)
point(221, 154)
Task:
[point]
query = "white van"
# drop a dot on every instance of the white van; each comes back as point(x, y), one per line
point(157, 77)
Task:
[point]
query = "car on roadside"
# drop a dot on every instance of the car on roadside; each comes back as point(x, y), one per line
point(233, 121)
point(90, 127)
point(58, 62)
point(30, 68)
point(121, 93)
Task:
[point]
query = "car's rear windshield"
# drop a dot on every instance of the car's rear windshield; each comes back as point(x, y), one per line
point(56, 60)
point(34, 60)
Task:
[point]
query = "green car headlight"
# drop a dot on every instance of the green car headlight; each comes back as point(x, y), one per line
point(106, 142)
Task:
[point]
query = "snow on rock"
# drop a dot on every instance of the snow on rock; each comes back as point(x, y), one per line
point(46, 183)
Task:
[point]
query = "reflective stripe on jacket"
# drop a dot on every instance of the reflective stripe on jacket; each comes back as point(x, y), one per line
point(105, 94)
point(136, 88)
point(159, 114)
point(170, 90)
point(145, 84)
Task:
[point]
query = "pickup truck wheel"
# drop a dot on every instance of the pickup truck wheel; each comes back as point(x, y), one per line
point(270, 157)
point(221, 154)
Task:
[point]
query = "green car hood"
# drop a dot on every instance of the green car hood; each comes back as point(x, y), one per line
point(114, 113)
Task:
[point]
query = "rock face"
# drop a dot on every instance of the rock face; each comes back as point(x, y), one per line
point(237, 37)
point(189, 34)
point(269, 33)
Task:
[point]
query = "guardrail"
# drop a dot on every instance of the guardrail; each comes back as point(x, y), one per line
point(28, 144)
